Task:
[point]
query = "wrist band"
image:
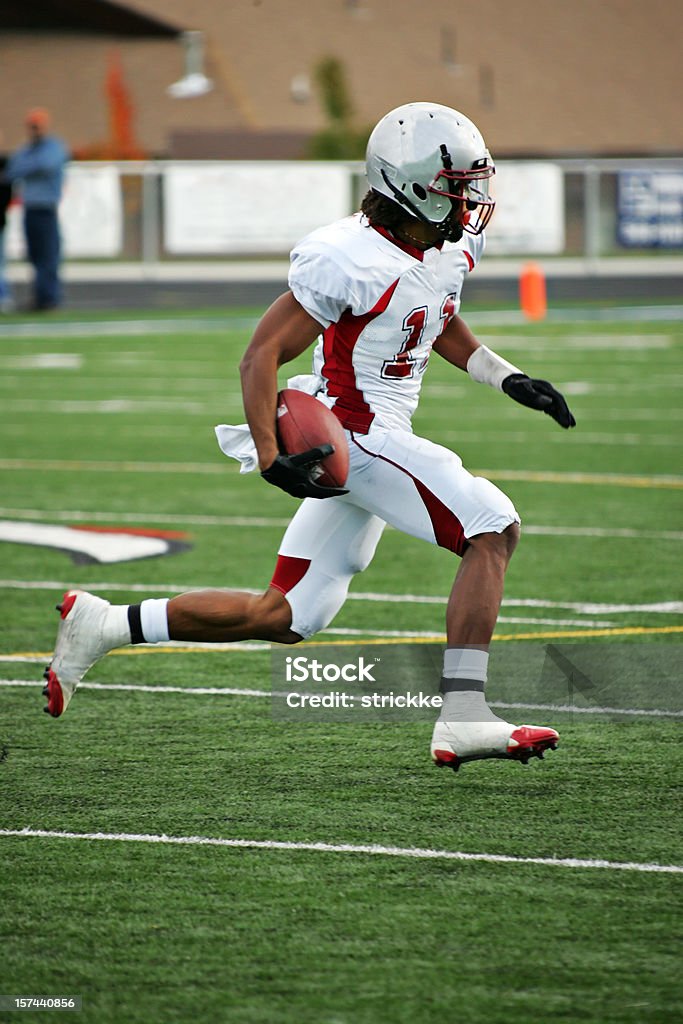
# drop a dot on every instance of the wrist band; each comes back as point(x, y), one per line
point(486, 367)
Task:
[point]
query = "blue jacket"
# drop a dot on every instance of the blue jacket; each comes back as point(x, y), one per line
point(40, 168)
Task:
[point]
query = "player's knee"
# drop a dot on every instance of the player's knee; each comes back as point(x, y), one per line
point(314, 605)
point(273, 614)
point(359, 555)
point(511, 535)
point(505, 543)
point(498, 545)
point(286, 637)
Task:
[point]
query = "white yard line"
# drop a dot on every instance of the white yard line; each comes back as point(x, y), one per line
point(458, 437)
point(155, 387)
point(598, 608)
point(576, 710)
point(604, 479)
point(199, 691)
point(210, 325)
point(344, 848)
point(130, 328)
point(115, 406)
point(235, 691)
point(616, 532)
point(582, 607)
point(71, 465)
point(509, 620)
point(115, 517)
point(534, 343)
point(634, 413)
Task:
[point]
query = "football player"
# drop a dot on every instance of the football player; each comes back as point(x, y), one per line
point(377, 293)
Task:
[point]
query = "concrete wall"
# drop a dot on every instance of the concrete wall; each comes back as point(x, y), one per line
point(538, 76)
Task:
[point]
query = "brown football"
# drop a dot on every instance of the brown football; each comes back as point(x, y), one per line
point(302, 423)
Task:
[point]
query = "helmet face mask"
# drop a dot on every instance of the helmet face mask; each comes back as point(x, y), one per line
point(433, 162)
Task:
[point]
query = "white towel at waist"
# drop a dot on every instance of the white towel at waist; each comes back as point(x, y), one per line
point(237, 442)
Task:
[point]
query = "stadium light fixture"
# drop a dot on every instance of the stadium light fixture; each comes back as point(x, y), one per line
point(194, 82)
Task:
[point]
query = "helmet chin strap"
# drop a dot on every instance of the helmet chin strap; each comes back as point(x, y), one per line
point(448, 234)
point(455, 232)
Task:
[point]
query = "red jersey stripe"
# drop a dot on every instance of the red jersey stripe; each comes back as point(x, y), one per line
point(339, 341)
point(412, 250)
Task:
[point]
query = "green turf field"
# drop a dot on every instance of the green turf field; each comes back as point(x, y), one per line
point(116, 429)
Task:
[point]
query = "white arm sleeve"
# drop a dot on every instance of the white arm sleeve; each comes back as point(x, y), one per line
point(486, 367)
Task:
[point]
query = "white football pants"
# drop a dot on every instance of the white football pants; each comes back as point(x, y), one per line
point(395, 477)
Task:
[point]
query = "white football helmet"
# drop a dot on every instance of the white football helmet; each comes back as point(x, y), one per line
point(423, 156)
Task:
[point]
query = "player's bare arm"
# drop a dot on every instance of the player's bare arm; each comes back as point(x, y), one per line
point(283, 333)
point(457, 345)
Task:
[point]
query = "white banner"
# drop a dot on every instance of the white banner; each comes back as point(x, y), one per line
point(529, 215)
point(90, 215)
point(250, 207)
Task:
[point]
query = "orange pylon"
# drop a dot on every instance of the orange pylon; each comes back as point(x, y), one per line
point(532, 293)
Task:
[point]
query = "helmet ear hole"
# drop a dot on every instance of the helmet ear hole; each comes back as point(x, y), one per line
point(419, 191)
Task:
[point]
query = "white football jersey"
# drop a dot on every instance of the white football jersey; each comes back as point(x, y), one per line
point(382, 304)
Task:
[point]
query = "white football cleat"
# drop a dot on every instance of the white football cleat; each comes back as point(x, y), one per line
point(83, 638)
point(454, 743)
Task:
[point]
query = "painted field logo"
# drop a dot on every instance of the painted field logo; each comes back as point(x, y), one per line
point(95, 544)
point(302, 669)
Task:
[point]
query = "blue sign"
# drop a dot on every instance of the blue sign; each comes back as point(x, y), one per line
point(650, 209)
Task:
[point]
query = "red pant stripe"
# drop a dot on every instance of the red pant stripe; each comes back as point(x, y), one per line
point(288, 572)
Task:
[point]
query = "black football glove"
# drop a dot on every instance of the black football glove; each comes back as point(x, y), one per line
point(294, 474)
point(539, 394)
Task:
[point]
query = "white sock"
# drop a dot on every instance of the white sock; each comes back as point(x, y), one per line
point(462, 686)
point(117, 621)
point(154, 620)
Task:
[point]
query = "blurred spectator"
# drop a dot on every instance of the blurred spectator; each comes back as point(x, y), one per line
point(6, 303)
point(39, 167)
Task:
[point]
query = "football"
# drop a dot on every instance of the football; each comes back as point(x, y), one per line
point(303, 422)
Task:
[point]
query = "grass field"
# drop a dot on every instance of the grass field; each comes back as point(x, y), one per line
point(112, 425)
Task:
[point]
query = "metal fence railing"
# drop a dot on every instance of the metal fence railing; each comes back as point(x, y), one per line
point(609, 207)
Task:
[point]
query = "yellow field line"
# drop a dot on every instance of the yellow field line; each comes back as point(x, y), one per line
point(358, 642)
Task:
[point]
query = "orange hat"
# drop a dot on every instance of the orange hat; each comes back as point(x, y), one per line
point(38, 117)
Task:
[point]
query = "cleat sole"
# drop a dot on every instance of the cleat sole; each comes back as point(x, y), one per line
point(446, 759)
point(528, 743)
point(53, 690)
point(55, 697)
point(522, 752)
